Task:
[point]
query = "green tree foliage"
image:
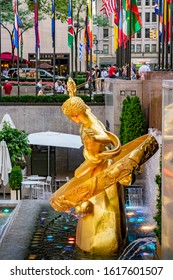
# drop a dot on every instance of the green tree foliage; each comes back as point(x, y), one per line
point(17, 143)
point(132, 120)
point(15, 178)
point(25, 15)
point(158, 216)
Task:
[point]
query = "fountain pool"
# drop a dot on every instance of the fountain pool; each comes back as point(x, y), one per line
point(54, 237)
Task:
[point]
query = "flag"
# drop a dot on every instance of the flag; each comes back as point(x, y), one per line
point(135, 18)
point(15, 42)
point(126, 21)
point(37, 37)
point(80, 51)
point(53, 23)
point(89, 26)
point(70, 27)
point(158, 8)
point(120, 31)
point(133, 14)
point(86, 40)
point(116, 23)
point(109, 6)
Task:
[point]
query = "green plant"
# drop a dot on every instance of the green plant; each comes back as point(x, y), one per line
point(132, 120)
point(15, 178)
point(158, 216)
point(17, 143)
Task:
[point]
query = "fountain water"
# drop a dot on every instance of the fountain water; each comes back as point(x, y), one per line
point(134, 196)
point(151, 169)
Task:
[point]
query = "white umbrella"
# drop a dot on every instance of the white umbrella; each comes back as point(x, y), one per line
point(56, 139)
point(6, 119)
point(5, 163)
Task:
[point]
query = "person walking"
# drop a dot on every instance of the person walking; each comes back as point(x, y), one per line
point(7, 87)
point(38, 86)
point(98, 80)
point(143, 70)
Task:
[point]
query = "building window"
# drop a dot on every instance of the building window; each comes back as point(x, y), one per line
point(105, 33)
point(147, 32)
point(153, 48)
point(105, 49)
point(132, 48)
point(138, 48)
point(153, 2)
point(139, 2)
point(147, 2)
point(153, 17)
point(138, 34)
point(147, 17)
point(147, 48)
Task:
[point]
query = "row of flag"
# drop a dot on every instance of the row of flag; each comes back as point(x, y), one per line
point(16, 35)
point(127, 19)
point(163, 11)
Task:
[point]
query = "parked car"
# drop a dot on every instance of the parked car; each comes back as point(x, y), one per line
point(31, 72)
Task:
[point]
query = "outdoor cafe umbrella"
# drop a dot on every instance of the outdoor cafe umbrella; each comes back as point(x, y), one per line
point(56, 139)
point(6, 119)
point(5, 164)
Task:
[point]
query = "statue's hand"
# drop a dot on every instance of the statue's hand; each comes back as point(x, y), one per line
point(85, 207)
point(90, 133)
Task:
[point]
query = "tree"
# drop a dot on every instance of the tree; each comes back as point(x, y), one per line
point(78, 8)
point(132, 120)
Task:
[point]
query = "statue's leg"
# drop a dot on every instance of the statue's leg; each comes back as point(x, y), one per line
point(104, 230)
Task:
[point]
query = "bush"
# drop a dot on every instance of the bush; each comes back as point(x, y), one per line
point(132, 120)
point(15, 178)
point(58, 98)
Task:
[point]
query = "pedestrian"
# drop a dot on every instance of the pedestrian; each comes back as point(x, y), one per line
point(104, 74)
point(143, 70)
point(7, 87)
point(38, 86)
point(98, 80)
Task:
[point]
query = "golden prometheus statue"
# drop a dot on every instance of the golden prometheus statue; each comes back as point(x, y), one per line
point(97, 188)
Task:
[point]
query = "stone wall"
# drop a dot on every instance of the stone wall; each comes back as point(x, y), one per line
point(149, 92)
point(36, 118)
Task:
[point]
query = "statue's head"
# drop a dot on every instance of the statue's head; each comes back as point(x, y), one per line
point(74, 106)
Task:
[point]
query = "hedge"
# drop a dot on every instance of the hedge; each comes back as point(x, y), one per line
point(59, 98)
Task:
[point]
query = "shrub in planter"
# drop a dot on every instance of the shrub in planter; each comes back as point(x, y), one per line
point(132, 120)
point(15, 178)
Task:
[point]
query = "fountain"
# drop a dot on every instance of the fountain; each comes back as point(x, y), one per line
point(96, 191)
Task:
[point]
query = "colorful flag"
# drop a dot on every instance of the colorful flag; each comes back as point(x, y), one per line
point(16, 25)
point(53, 23)
point(116, 23)
point(158, 8)
point(135, 18)
point(133, 15)
point(86, 41)
point(37, 37)
point(89, 26)
point(109, 6)
point(120, 31)
point(80, 51)
point(70, 26)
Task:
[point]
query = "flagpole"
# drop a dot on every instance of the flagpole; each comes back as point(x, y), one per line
point(129, 45)
point(166, 62)
point(90, 88)
point(159, 37)
point(171, 35)
point(72, 43)
point(53, 42)
point(18, 78)
point(163, 34)
point(0, 54)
